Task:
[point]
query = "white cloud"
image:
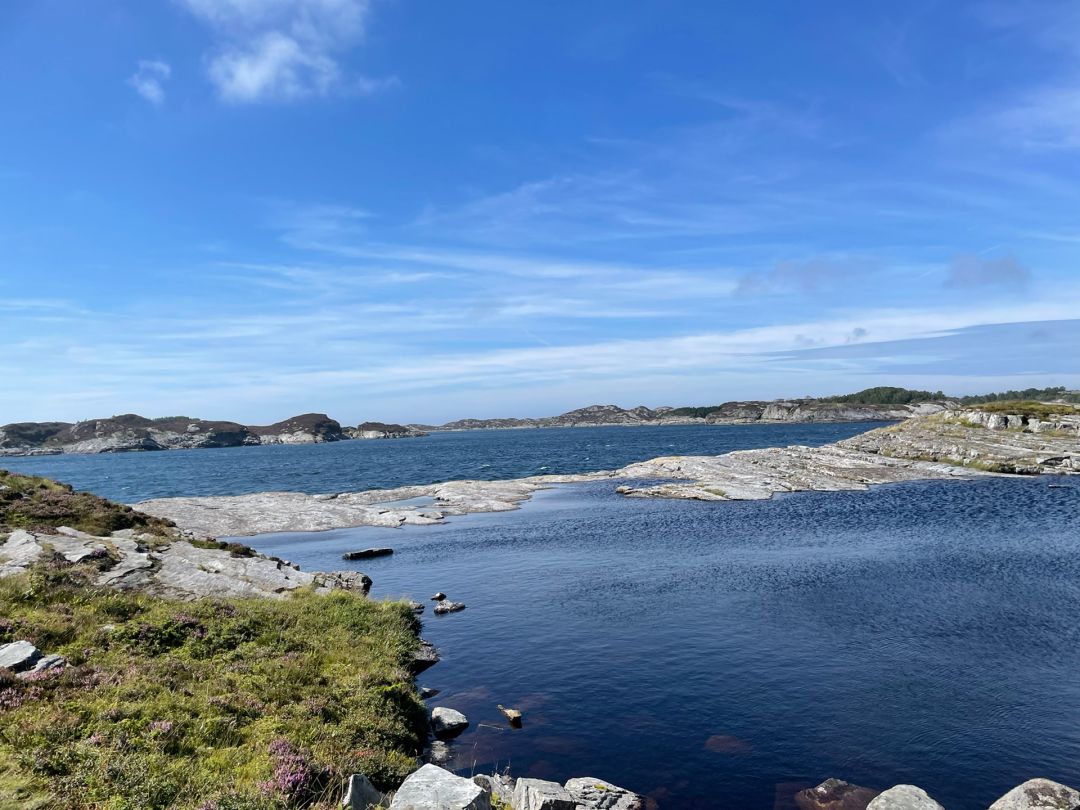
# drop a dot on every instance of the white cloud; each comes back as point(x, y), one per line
point(149, 79)
point(283, 50)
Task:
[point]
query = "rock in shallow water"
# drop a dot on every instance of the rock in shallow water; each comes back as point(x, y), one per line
point(426, 656)
point(904, 797)
point(433, 788)
point(445, 606)
point(1039, 794)
point(448, 722)
point(366, 553)
point(835, 794)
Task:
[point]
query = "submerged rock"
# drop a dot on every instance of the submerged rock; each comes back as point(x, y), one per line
point(835, 794)
point(538, 794)
point(595, 794)
point(433, 788)
point(427, 692)
point(512, 715)
point(904, 797)
point(448, 722)
point(367, 553)
point(1039, 794)
point(439, 752)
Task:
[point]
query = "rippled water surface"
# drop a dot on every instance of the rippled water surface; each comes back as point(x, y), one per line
point(376, 464)
point(723, 655)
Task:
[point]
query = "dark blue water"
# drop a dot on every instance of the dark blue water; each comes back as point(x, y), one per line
point(724, 655)
point(359, 465)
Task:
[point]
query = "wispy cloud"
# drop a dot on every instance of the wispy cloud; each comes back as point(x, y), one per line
point(284, 50)
point(149, 80)
point(981, 271)
point(807, 276)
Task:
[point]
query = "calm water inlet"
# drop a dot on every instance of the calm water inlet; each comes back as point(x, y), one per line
point(724, 655)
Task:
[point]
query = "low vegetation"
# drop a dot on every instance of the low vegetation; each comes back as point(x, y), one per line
point(886, 395)
point(1058, 394)
point(40, 504)
point(1029, 408)
point(217, 704)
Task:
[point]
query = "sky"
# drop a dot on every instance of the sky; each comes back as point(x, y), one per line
point(422, 211)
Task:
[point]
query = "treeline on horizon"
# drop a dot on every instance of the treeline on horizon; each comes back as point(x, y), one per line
point(889, 395)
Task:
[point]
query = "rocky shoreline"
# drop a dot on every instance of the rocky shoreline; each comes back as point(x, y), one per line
point(945, 445)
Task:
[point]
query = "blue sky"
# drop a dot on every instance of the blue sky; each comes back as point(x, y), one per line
point(422, 211)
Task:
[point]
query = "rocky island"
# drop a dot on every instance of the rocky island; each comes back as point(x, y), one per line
point(1005, 438)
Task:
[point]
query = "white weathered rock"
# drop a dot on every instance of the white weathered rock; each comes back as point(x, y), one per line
point(596, 794)
point(361, 794)
point(904, 797)
point(444, 606)
point(1039, 794)
point(18, 656)
point(448, 722)
point(539, 794)
point(433, 788)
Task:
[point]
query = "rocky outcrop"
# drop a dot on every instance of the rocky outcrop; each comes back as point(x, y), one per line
point(729, 413)
point(383, 430)
point(175, 567)
point(590, 793)
point(933, 447)
point(539, 794)
point(308, 428)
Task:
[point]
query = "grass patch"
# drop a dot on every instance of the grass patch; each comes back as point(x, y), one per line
point(252, 704)
point(1030, 409)
point(40, 504)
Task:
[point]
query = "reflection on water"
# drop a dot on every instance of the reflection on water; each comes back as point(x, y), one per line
point(729, 654)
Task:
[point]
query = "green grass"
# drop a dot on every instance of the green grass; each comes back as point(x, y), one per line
point(254, 704)
point(1029, 408)
point(39, 504)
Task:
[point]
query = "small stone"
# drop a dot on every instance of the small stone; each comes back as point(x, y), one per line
point(361, 794)
point(18, 655)
point(438, 597)
point(433, 788)
point(834, 794)
point(427, 692)
point(448, 722)
point(1039, 794)
point(513, 715)
point(446, 606)
point(539, 794)
point(904, 797)
point(416, 607)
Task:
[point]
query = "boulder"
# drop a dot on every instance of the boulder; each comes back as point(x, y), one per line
point(834, 794)
point(444, 606)
point(448, 722)
point(538, 794)
point(596, 794)
point(501, 788)
point(361, 794)
point(44, 663)
point(1039, 794)
point(438, 597)
point(18, 656)
point(433, 788)
point(904, 797)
